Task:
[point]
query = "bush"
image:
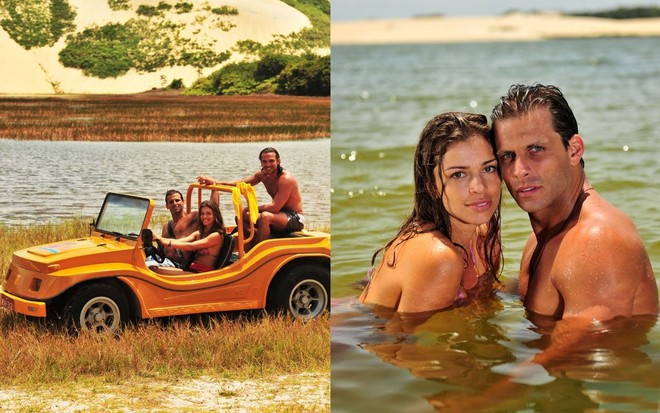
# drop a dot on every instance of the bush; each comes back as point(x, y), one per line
point(119, 4)
point(272, 65)
point(147, 11)
point(225, 10)
point(102, 51)
point(236, 79)
point(184, 7)
point(176, 84)
point(308, 78)
point(34, 23)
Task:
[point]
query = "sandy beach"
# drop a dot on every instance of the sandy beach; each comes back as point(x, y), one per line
point(510, 27)
point(38, 71)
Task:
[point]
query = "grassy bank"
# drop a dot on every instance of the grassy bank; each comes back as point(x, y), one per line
point(157, 117)
point(152, 355)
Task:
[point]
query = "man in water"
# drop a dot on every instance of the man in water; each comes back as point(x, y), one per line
point(285, 211)
point(585, 258)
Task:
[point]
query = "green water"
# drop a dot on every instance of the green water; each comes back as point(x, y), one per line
point(381, 98)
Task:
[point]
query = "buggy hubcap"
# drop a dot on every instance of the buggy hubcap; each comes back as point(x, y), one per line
point(99, 315)
point(308, 299)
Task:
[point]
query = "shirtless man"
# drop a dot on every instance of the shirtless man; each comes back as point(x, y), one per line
point(585, 259)
point(181, 225)
point(285, 211)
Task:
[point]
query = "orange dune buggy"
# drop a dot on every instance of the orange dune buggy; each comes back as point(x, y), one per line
point(101, 281)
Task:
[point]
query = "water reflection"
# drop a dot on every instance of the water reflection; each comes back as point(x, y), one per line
point(477, 357)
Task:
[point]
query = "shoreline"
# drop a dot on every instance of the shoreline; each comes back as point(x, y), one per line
point(514, 27)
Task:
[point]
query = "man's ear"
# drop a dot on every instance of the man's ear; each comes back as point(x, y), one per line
point(575, 149)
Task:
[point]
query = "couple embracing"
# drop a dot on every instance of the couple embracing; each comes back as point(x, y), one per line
point(584, 259)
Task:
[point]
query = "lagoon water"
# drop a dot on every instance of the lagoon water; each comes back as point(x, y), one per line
point(47, 181)
point(382, 97)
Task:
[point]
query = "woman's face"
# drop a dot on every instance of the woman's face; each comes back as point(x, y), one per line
point(206, 216)
point(472, 185)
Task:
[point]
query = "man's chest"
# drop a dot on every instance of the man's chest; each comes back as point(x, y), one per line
point(539, 292)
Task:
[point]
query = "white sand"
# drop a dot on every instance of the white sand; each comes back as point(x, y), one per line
point(512, 27)
point(38, 71)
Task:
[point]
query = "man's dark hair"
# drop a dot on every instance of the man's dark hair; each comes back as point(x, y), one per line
point(522, 99)
point(172, 192)
point(277, 156)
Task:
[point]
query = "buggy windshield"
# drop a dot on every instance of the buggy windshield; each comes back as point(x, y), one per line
point(122, 215)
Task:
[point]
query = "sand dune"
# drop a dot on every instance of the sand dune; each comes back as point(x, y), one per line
point(38, 71)
point(511, 27)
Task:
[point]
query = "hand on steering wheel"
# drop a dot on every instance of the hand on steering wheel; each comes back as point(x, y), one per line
point(158, 253)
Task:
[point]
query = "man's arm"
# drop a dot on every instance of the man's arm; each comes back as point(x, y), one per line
point(207, 180)
point(284, 189)
point(600, 279)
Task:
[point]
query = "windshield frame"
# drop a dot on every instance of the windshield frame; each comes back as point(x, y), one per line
point(135, 211)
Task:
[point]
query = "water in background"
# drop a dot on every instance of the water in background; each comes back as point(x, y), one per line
point(46, 181)
point(382, 96)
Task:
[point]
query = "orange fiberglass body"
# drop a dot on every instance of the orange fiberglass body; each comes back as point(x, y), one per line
point(102, 280)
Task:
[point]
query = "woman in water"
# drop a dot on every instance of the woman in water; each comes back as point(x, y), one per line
point(449, 246)
point(207, 241)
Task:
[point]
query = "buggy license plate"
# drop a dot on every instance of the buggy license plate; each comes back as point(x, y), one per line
point(8, 302)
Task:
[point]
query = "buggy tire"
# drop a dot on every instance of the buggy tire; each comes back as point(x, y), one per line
point(302, 292)
point(98, 308)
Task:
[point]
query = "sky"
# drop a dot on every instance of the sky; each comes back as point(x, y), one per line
point(378, 9)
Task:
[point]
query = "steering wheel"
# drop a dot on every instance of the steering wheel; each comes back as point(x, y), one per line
point(148, 246)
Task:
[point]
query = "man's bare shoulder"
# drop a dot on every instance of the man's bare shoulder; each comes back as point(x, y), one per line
point(604, 240)
point(602, 221)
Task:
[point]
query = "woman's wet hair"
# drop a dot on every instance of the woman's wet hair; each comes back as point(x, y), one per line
point(218, 223)
point(429, 213)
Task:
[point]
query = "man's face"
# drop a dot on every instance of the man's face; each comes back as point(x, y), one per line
point(269, 163)
point(174, 203)
point(535, 165)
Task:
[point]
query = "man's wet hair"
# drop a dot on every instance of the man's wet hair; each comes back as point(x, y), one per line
point(522, 99)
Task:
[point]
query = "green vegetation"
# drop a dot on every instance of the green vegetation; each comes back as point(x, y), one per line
point(147, 11)
point(118, 4)
point(184, 7)
point(623, 13)
point(140, 44)
point(36, 23)
point(225, 10)
point(288, 65)
point(307, 75)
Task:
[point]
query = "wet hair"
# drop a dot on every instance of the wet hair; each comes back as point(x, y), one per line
point(218, 223)
point(522, 99)
point(280, 170)
point(439, 134)
point(172, 192)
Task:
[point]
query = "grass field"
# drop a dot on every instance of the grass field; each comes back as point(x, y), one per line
point(161, 116)
point(225, 362)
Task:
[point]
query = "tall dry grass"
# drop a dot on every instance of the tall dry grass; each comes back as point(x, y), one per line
point(164, 117)
point(211, 345)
